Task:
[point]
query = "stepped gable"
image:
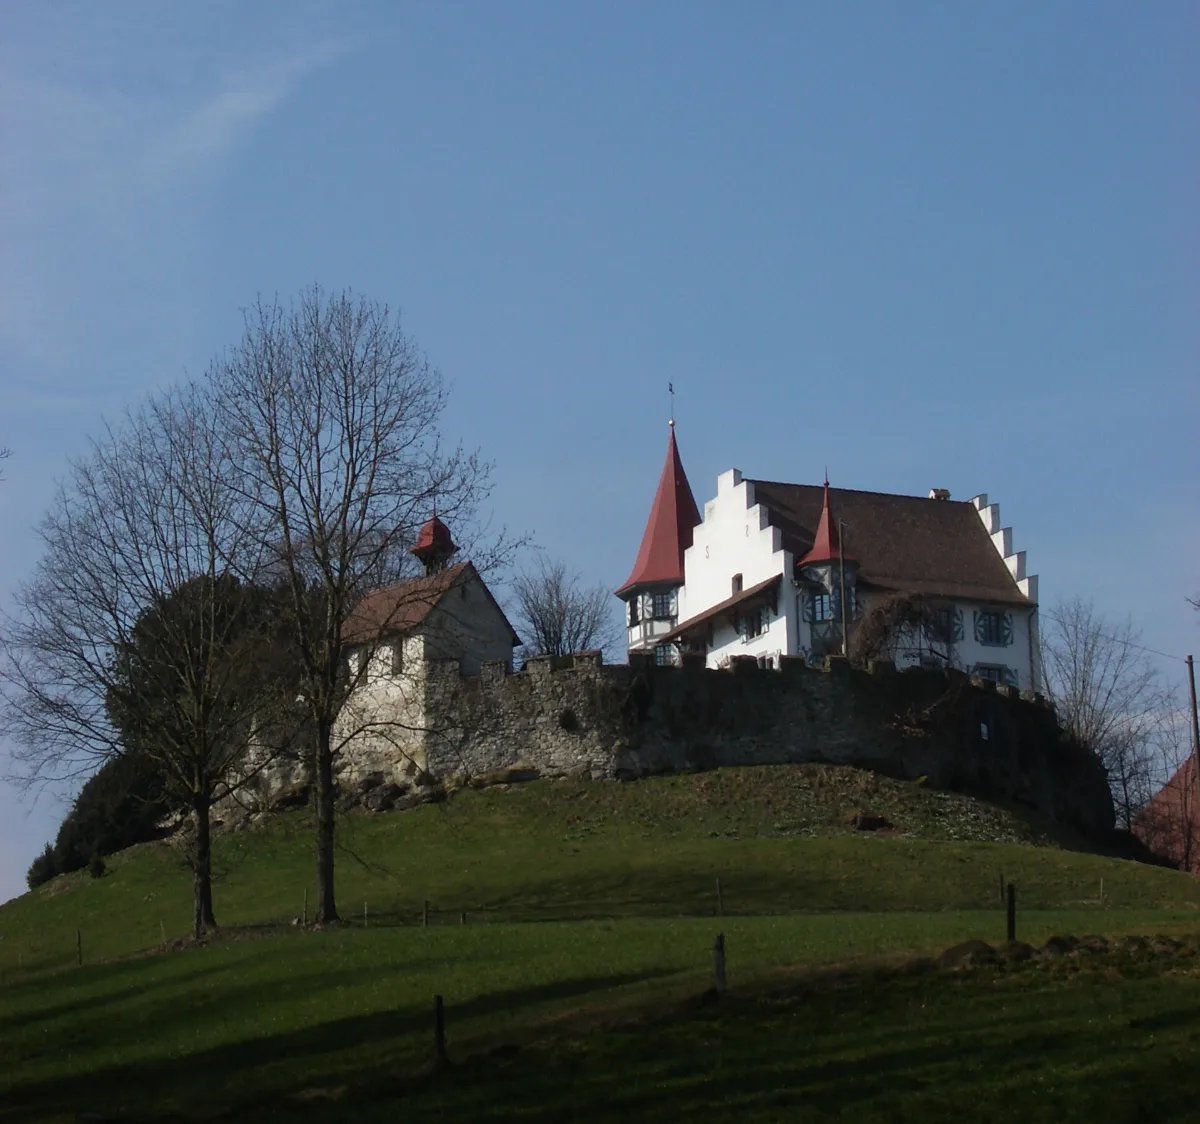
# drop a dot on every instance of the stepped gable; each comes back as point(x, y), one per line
point(911, 544)
point(402, 606)
point(669, 530)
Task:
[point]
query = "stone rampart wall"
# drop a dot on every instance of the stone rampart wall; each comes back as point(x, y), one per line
point(576, 716)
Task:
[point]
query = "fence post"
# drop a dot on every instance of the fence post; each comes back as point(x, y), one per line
point(1012, 912)
point(719, 963)
point(462, 917)
point(439, 1031)
point(304, 915)
point(720, 903)
point(425, 915)
point(162, 929)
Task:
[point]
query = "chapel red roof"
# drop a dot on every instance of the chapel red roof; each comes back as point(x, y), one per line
point(825, 542)
point(673, 518)
point(434, 538)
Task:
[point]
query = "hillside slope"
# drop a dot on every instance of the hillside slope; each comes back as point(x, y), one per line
point(776, 837)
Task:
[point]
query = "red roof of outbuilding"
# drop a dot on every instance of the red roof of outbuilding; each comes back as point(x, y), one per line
point(825, 542)
point(434, 536)
point(673, 518)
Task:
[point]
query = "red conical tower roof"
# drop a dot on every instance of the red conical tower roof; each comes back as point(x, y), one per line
point(673, 518)
point(825, 545)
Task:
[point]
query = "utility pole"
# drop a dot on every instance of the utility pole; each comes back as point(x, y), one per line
point(1191, 666)
point(842, 569)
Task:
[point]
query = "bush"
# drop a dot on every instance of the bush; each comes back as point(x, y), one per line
point(96, 867)
point(118, 807)
point(42, 869)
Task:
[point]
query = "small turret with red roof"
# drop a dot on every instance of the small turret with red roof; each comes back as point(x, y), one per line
point(434, 546)
point(651, 588)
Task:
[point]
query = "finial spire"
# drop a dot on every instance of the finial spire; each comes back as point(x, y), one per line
point(671, 392)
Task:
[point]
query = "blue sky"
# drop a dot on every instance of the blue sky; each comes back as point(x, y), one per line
point(947, 245)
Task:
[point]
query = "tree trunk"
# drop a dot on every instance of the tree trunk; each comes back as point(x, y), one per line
point(323, 784)
point(202, 913)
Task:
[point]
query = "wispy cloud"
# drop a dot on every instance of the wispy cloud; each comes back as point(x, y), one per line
point(230, 113)
point(93, 169)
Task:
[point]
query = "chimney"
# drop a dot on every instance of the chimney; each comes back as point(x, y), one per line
point(939, 493)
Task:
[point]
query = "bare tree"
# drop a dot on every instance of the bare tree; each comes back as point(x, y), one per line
point(559, 614)
point(900, 622)
point(333, 417)
point(1108, 694)
point(1169, 824)
point(132, 635)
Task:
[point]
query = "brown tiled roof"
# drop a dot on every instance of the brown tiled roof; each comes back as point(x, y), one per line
point(756, 594)
point(403, 606)
point(936, 547)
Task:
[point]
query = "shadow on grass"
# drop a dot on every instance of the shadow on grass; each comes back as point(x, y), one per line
point(271, 1065)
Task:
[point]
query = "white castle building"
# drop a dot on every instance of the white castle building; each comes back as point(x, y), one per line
point(767, 569)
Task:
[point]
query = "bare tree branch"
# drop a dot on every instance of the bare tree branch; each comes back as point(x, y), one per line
point(558, 615)
point(333, 419)
point(127, 638)
point(1108, 695)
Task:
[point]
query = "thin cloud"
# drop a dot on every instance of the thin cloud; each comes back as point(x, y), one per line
point(232, 112)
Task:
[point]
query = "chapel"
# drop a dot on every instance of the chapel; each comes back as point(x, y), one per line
point(771, 569)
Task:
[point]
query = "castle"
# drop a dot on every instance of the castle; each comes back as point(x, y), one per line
point(752, 677)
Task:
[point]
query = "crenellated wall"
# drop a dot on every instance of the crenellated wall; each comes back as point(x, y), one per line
point(576, 716)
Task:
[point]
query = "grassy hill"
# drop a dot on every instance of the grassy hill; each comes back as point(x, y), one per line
point(777, 838)
point(588, 905)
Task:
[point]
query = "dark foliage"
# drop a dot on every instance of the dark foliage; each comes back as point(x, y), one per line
point(96, 867)
point(120, 806)
point(42, 869)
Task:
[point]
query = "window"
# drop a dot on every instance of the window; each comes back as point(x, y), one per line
point(663, 606)
point(997, 673)
point(736, 584)
point(633, 611)
point(993, 629)
point(822, 607)
point(664, 655)
point(752, 624)
point(397, 656)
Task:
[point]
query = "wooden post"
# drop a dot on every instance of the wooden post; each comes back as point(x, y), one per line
point(364, 914)
point(439, 1031)
point(79, 947)
point(1012, 912)
point(720, 903)
point(425, 915)
point(163, 931)
point(719, 963)
point(304, 915)
point(462, 917)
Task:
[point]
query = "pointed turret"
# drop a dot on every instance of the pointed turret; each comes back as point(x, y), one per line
point(652, 588)
point(673, 518)
point(826, 545)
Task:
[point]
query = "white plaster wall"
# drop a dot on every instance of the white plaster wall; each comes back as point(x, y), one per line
point(465, 625)
point(735, 537)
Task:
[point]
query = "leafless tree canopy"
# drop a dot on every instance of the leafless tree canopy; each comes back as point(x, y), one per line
point(1108, 695)
point(901, 620)
point(149, 519)
point(333, 419)
point(558, 614)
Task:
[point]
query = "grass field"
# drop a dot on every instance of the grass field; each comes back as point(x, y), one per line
point(588, 938)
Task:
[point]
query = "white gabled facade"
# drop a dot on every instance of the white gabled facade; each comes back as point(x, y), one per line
point(759, 583)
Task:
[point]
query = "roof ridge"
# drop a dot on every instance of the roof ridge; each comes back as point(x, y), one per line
point(856, 491)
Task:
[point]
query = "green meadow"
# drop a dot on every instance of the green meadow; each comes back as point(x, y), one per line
point(570, 934)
